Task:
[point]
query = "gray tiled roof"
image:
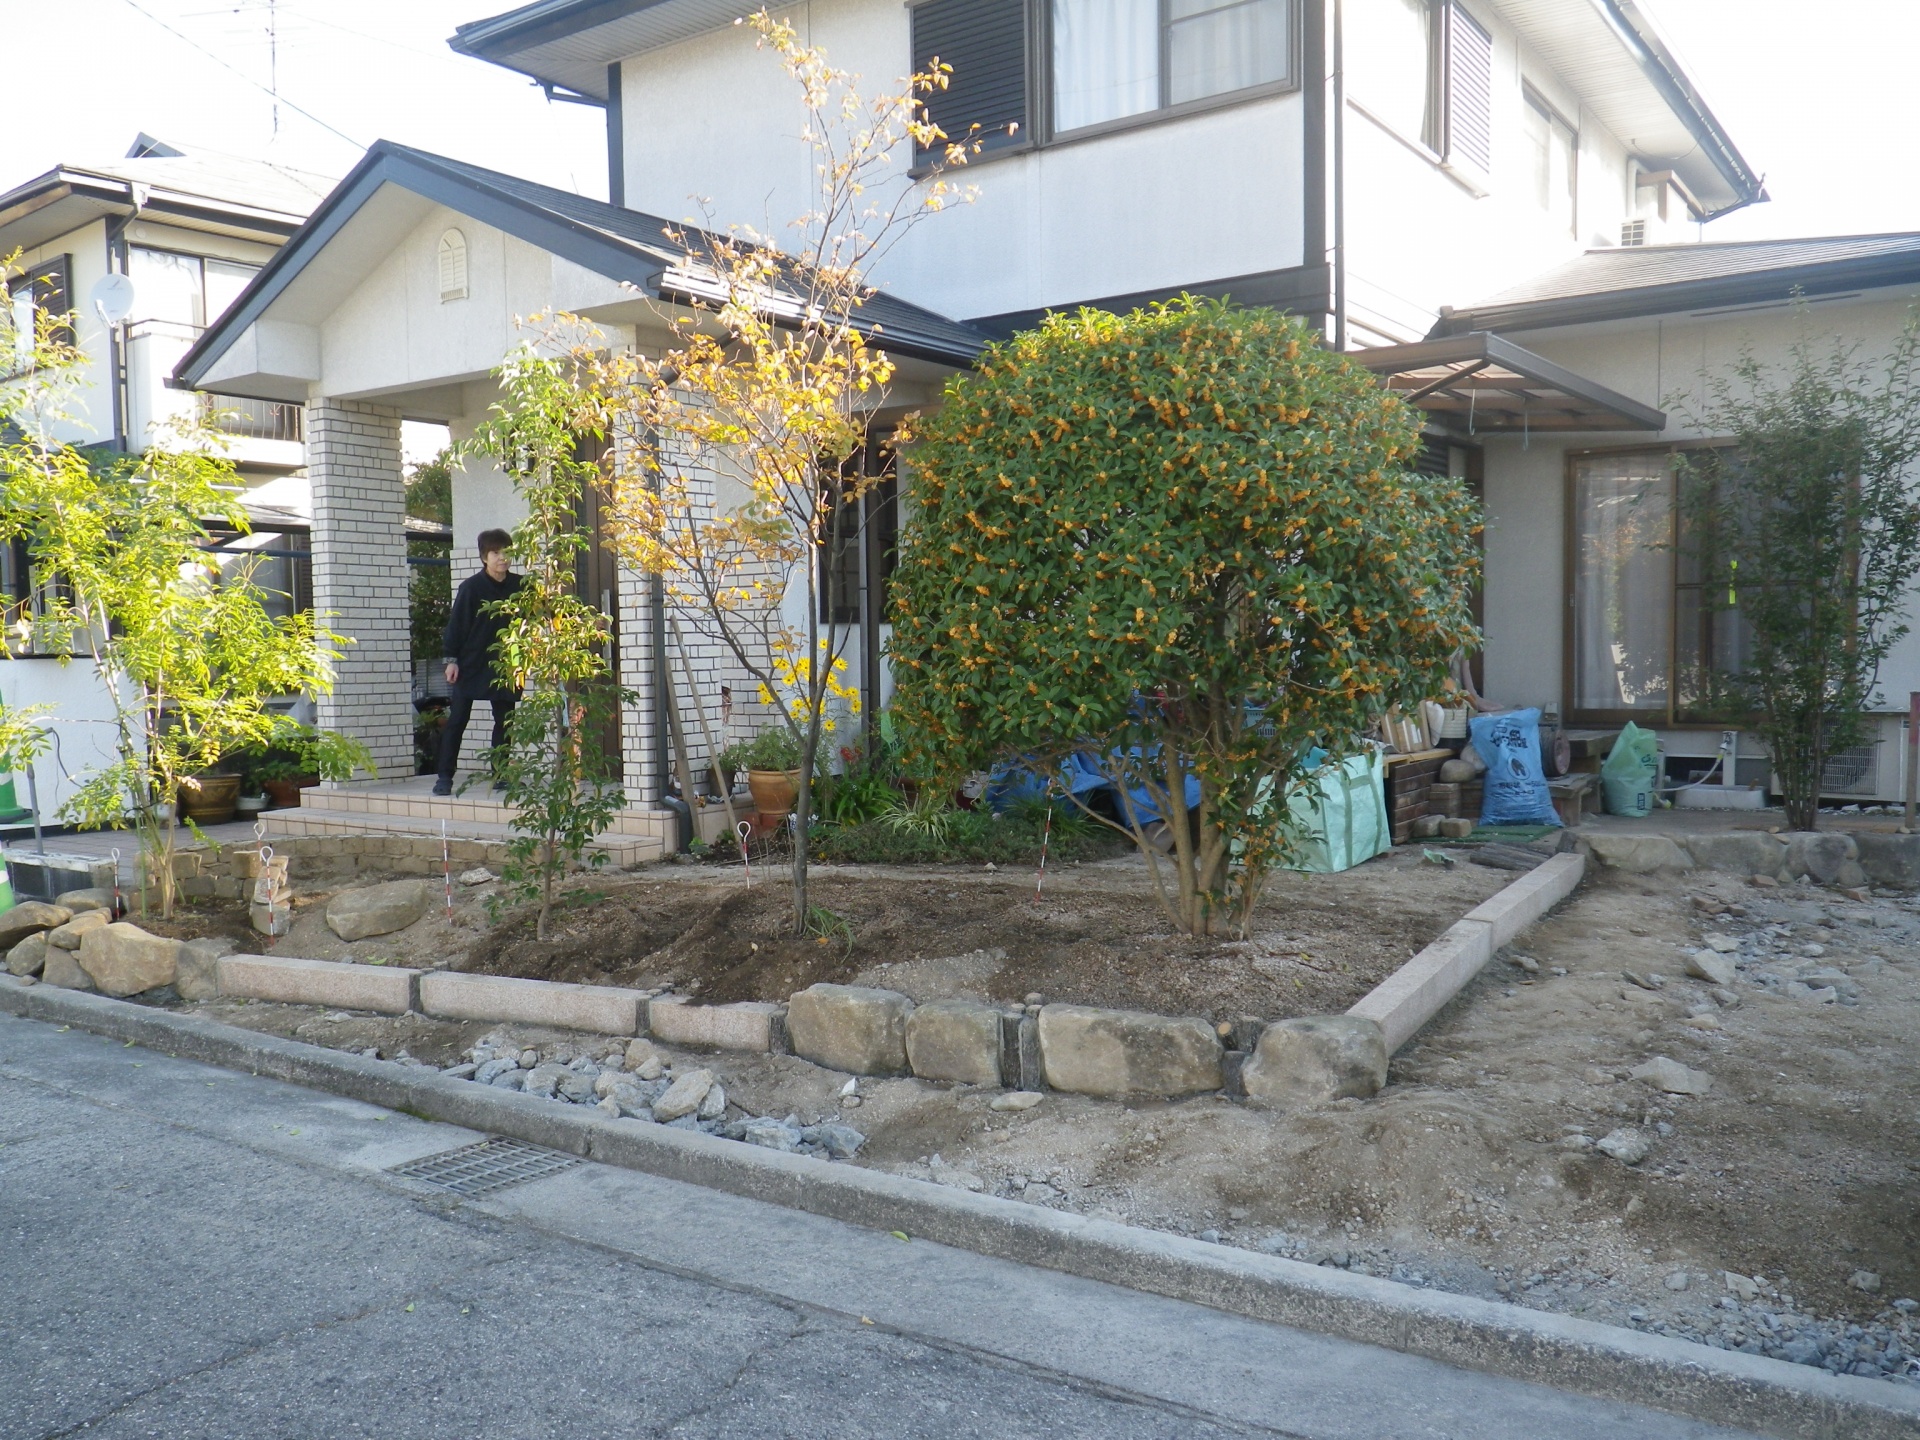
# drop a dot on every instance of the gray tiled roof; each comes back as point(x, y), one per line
point(1664, 279)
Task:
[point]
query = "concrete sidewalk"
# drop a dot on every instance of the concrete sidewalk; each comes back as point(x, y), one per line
point(194, 1252)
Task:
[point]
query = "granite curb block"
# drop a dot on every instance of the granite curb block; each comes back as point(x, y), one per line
point(604, 1009)
point(287, 979)
point(1419, 989)
point(1723, 1387)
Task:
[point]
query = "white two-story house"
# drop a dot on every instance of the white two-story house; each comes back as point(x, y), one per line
point(1366, 164)
point(185, 233)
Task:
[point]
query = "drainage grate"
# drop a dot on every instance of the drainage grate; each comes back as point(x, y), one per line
point(489, 1165)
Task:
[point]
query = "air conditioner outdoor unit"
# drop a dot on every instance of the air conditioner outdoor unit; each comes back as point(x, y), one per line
point(1857, 774)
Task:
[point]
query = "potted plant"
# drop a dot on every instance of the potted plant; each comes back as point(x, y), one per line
point(772, 762)
point(208, 799)
point(301, 756)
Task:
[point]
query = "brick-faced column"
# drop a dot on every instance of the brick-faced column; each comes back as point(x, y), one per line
point(360, 575)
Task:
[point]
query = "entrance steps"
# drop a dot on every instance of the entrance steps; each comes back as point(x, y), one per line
point(408, 807)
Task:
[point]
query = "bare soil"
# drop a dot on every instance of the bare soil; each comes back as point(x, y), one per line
point(1098, 936)
point(1473, 1170)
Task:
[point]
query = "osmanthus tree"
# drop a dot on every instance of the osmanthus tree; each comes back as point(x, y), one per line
point(1805, 526)
point(1190, 541)
point(189, 656)
point(734, 439)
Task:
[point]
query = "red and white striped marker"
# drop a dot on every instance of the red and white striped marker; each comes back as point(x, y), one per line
point(1046, 834)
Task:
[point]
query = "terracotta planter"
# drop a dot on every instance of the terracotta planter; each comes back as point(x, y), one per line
point(774, 791)
point(285, 794)
point(211, 803)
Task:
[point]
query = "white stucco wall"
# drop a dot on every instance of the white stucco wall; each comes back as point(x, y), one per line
point(1418, 238)
point(89, 408)
point(81, 722)
point(1208, 196)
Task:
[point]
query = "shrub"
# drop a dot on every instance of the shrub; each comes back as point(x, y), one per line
point(1188, 538)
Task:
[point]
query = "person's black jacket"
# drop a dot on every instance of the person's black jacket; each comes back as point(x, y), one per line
point(473, 631)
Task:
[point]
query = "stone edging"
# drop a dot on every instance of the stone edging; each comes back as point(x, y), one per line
point(1723, 1387)
point(1415, 993)
point(863, 1031)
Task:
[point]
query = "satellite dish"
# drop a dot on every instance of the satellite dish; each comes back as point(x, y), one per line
point(112, 298)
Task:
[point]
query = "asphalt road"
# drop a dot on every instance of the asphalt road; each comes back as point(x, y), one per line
point(188, 1252)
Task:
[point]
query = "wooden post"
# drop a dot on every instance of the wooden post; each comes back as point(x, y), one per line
point(1913, 756)
point(706, 731)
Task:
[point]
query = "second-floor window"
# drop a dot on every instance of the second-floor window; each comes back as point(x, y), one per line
point(1025, 71)
point(1553, 147)
point(185, 289)
point(1113, 59)
point(1424, 69)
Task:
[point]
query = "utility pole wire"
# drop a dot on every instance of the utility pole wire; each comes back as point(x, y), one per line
point(185, 40)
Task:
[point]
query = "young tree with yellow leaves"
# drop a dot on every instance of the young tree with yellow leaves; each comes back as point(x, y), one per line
point(764, 392)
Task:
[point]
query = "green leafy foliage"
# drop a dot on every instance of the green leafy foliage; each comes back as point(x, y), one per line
point(1189, 538)
point(1807, 525)
point(563, 787)
point(970, 837)
point(188, 657)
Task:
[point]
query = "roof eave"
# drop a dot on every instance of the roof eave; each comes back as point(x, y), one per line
point(1643, 42)
point(1765, 287)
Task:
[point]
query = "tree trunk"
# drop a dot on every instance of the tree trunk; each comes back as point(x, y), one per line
point(802, 813)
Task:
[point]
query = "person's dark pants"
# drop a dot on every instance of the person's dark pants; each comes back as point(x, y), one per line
point(459, 711)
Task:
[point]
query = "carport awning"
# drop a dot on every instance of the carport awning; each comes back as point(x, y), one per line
point(1480, 384)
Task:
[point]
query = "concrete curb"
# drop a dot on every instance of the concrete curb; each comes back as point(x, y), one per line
point(1723, 1387)
point(1419, 989)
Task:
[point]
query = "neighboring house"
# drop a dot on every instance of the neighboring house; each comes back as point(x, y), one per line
point(1362, 163)
point(189, 231)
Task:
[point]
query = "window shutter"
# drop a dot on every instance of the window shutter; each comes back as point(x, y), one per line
point(52, 292)
point(985, 42)
point(1469, 94)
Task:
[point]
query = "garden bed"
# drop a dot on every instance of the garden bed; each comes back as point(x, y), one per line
point(1097, 936)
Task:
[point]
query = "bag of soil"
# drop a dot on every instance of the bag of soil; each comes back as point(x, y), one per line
point(1630, 772)
point(1516, 792)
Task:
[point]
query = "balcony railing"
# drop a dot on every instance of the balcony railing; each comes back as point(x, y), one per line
point(254, 419)
point(154, 347)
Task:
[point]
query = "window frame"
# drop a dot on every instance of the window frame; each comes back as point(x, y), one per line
point(1531, 98)
point(1040, 133)
point(1163, 110)
point(1674, 715)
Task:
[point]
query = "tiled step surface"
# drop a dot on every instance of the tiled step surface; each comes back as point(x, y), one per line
point(621, 848)
point(412, 800)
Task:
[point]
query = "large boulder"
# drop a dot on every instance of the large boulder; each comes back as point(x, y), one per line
point(1316, 1057)
point(850, 1027)
point(70, 935)
point(29, 957)
point(1890, 860)
point(1739, 852)
point(1636, 854)
point(123, 959)
point(63, 969)
point(30, 917)
point(94, 897)
point(198, 977)
point(1127, 1052)
point(377, 909)
point(1822, 854)
point(955, 1040)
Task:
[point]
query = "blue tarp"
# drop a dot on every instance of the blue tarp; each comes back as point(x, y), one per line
point(1082, 775)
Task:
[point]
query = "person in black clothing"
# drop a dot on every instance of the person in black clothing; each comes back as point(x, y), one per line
point(473, 632)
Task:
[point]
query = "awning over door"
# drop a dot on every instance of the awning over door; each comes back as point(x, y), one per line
point(1480, 384)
